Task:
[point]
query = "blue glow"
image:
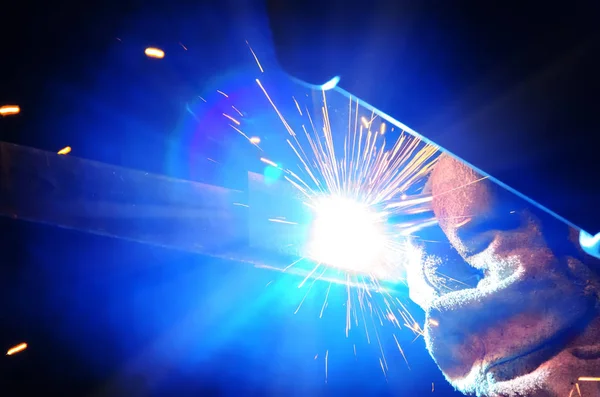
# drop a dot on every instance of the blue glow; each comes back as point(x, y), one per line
point(272, 174)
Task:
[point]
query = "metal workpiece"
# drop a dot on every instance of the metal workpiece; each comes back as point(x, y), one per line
point(94, 197)
point(278, 217)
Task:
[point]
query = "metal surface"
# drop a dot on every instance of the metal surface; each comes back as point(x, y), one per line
point(74, 193)
point(98, 198)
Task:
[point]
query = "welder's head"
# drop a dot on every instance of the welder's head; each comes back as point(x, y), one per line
point(526, 320)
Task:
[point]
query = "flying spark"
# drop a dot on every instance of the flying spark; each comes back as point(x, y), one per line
point(65, 150)
point(365, 208)
point(255, 58)
point(362, 185)
point(231, 118)
point(269, 162)
point(152, 52)
point(16, 349)
point(9, 110)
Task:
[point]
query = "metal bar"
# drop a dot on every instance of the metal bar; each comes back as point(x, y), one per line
point(90, 196)
point(103, 199)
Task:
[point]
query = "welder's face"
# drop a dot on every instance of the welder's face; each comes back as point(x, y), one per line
point(528, 324)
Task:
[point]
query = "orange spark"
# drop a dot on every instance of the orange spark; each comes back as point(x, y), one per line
point(9, 110)
point(16, 349)
point(152, 52)
point(231, 118)
point(589, 379)
point(65, 150)
point(267, 161)
point(255, 140)
point(238, 112)
point(382, 129)
point(364, 122)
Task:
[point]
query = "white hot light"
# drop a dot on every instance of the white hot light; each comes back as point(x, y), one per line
point(347, 235)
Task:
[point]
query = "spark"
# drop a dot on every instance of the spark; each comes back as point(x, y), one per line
point(382, 368)
point(578, 389)
point(182, 46)
point(16, 349)
point(241, 205)
point(204, 100)
point(326, 369)
point(276, 220)
point(433, 322)
point(255, 57)
point(462, 186)
point(9, 110)
point(589, 379)
point(401, 351)
point(360, 182)
point(297, 106)
point(231, 118)
point(359, 192)
point(309, 288)
point(364, 122)
point(349, 191)
point(325, 301)
point(238, 112)
point(65, 150)
point(267, 161)
point(240, 132)
point(432, 387)
point(152, 52)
